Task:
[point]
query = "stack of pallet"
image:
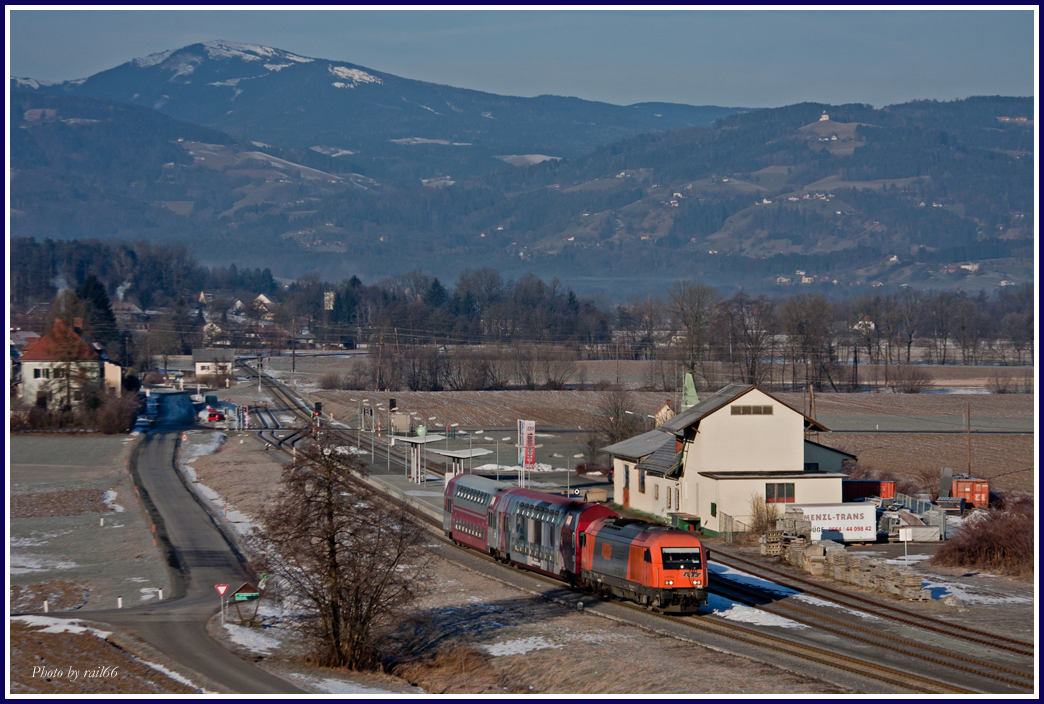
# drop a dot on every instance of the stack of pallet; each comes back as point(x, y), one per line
point(772, 543)
point(837, 563)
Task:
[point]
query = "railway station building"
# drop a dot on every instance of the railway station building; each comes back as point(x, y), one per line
point(702, 468)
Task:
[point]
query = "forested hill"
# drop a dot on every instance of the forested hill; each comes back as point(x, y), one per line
point(403, 129)
point(846, 193)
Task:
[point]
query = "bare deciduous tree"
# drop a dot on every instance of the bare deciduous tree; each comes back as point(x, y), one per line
point(616, 418)
point(693, 308)
point(347, 557)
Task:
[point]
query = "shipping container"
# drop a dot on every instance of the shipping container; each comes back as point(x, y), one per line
point(853, 489)
point(974, 491)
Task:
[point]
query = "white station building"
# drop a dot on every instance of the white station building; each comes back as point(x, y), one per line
point(702, 468)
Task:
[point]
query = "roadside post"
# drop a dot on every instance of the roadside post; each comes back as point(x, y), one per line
point(905, 535)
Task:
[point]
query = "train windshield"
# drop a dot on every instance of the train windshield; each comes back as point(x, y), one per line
point(681, 558)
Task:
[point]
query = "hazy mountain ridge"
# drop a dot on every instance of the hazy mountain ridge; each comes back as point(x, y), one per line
point(267, 94)
point(757, 195)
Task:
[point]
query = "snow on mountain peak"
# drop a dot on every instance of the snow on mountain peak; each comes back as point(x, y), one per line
point(248, 52)
point(153, 59)
point(354, 75)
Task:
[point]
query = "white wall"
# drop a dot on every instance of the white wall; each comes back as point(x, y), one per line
point(733, 496)
point(728, 443)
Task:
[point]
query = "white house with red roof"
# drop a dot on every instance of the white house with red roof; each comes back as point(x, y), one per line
point(57, 368)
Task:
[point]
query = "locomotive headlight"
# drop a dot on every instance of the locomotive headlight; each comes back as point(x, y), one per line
point(669, 582)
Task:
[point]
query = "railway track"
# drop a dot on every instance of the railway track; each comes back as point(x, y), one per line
point(880, 609)
point(749, 636)
point(874, 637)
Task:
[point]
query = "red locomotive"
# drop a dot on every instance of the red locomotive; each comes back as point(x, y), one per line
point(582, 543)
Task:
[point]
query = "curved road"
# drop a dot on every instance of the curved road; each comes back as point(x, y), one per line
point(200, 557)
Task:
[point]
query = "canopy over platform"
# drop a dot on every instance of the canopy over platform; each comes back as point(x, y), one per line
point(418, 440)
point(463, 454)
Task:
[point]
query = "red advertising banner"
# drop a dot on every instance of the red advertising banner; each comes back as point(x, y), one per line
point(527, 444)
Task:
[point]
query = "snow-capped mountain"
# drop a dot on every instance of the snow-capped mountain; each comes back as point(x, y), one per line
point(282, 98)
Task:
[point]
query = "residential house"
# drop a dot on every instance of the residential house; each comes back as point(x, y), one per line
point(211, 362)
point(60, 366)
point(706, 466)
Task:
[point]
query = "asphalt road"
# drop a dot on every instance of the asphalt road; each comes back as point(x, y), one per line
point(203, 558)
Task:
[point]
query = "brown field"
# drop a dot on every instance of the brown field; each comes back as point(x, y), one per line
point(57, 503)
point(952, 405)
point(1006, 460)
point(84, 652)
point(60, 595)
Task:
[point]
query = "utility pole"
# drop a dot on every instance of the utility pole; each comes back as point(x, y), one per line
point(380, 352)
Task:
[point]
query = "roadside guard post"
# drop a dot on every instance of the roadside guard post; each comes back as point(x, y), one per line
point(242, 596)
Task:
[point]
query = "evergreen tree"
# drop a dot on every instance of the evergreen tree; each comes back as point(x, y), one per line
point(99, 323)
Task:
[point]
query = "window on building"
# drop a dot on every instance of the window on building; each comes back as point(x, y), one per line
point(677, 499)
point(780, 493)
point(641, 481)
point(811, 466)
point(627, 476)
point(714, 510)
point(751, 410)
point(36, 373)
point(656, 492)
point(668, 498)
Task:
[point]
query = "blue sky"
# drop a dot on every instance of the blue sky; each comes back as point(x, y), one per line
point(732, 58)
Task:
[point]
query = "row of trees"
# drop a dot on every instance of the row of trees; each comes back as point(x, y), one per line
point(804, 339)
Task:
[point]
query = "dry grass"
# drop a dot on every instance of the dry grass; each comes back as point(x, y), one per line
point(458, 669)
point(1000, 542)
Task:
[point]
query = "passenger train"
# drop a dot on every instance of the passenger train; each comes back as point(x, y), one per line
point(585, 544)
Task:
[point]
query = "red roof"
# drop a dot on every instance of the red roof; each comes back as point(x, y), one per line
point(59, 345)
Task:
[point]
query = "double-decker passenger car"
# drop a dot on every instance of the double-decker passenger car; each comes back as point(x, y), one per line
point(583, 543)
point(644, 562)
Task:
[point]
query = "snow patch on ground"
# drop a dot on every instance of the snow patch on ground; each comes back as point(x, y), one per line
point(941, 588)
point(330, 685)
point(173, 675)
point(149, 593)
point(519, 646)
point(750, 580)
point(201, 448)
point(730, 610)
point(350, 450)
point(251, 638)
point(908, 559)
point(23, 564)
point(110, 501)
point(60, 625)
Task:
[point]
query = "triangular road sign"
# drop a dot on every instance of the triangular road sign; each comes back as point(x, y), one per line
point(221, 588)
